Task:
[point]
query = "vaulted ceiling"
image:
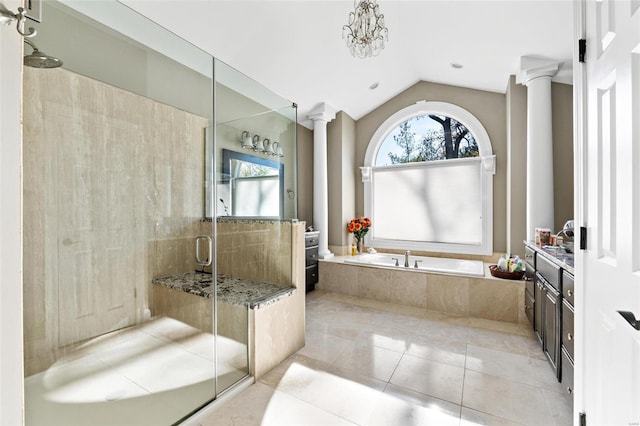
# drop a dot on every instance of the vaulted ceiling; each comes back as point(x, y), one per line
point(295, 48)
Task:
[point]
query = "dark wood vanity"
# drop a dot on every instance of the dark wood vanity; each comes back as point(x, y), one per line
point(549, 305)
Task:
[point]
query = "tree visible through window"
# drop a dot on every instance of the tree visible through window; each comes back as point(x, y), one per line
point(428, 181)
point(427, 138)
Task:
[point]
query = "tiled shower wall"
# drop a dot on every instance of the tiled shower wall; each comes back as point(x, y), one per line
point(113, 196)
point(256, 249)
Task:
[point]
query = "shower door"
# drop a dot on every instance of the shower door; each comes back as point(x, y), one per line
point(115, 175)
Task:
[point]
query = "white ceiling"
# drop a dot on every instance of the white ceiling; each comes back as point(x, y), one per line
point(295, 48)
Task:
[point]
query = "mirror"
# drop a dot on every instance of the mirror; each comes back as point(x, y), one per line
point(251, 186)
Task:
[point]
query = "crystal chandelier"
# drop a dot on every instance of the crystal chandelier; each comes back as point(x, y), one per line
point(365, 33)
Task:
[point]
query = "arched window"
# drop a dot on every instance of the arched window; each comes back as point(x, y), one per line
point(428, 181)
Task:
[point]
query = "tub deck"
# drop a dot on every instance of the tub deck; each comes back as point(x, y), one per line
point(438, 265)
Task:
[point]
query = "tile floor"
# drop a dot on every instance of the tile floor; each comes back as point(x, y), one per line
point(373, 363)
point(151, 374)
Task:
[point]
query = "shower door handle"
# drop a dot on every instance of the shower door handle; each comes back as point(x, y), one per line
point(208, 260)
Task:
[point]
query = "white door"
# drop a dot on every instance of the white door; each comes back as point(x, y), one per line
point(609, 375)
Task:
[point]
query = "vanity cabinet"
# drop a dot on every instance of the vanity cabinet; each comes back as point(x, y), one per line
point(311, 240)
point(568, 336)
point(553, 311)
point(529, 276)
point(551, 317)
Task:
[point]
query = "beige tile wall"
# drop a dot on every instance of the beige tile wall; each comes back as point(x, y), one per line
point(278, 330)
point(259, 250)
point(486, 298)
point(113, 174)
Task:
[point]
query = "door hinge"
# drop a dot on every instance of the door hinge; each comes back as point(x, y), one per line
point(583, 419)
point(583, 238)
point(582, 49)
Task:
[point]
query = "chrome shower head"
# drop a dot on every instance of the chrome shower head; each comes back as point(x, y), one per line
point(39, 59)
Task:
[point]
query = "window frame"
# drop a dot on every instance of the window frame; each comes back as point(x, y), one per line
point(487, 170)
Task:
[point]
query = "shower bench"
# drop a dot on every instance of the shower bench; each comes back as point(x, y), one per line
point(232, 290)
point(272, 336)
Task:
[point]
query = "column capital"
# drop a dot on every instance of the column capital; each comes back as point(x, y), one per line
point(323, 112)
point(532, 67)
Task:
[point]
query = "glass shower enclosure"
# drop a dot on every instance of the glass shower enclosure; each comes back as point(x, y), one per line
point(122, 169)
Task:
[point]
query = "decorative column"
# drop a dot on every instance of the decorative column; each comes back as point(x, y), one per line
point(536, 74)
point(320, 117)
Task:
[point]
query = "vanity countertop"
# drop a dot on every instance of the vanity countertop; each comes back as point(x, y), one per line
point(231, 290)
point(554, 254)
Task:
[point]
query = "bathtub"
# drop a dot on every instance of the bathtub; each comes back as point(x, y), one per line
point(441, 265)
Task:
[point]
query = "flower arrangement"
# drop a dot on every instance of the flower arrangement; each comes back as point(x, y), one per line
point(359, 227)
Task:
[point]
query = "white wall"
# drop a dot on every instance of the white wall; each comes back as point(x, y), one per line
point(11, 386)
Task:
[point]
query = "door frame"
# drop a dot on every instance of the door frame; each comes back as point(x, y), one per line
point(580, 199)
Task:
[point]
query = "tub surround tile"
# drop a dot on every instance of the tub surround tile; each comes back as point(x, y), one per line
point(426, 294)
point(374, 283)
point(448, 295)
point(493, 299)
point(410, 288)
point(338, 279)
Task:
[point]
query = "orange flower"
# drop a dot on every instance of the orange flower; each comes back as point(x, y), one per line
point(359, 226)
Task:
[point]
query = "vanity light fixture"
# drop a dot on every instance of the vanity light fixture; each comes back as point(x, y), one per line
point(258, 144)
point(245, 140)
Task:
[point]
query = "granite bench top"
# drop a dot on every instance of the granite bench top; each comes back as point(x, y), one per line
point(231, 290)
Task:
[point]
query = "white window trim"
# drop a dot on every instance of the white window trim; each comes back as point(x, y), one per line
point(487, 171)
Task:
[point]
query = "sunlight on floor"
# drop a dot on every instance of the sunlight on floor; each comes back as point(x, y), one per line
point(386, 365)
point(381, 408)
point(153, 373)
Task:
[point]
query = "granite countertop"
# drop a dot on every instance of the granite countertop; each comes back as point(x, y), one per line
point(555, 254)
point(231, 290)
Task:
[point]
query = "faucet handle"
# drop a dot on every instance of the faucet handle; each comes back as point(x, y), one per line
point(396, 259)
point(416, 264)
